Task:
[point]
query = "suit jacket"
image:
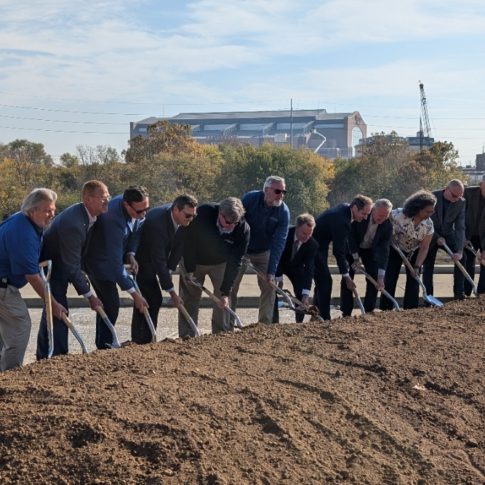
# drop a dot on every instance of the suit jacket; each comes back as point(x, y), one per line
point(475, 217)
point(160, 247)
point(65, 243)
point(452, 225)
point(333, 226)
point(380, 244)
point(206, 245)
point(112, 239)
point(302, 266)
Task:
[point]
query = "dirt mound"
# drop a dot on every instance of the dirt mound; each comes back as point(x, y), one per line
point(384, 398)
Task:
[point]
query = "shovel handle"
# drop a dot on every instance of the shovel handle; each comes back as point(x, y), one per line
point(359, 301)
point(72, 328)
point(461, 268)
point(48, 304)
point(382, 290)
point(115, 342)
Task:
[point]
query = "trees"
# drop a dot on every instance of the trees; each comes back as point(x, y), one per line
point(389, 168)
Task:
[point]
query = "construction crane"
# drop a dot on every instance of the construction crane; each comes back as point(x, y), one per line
point(424, 126)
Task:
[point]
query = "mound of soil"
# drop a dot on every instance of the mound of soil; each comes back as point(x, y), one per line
point(392, 397)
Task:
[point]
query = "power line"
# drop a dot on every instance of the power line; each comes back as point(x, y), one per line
point(62, 121)
point(67, 131)
point(71, 111)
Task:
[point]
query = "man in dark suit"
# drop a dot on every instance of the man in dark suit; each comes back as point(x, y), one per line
point(449, 228)
point(161, 244)
point(370, 242)
point(333, 226)
point(215, 245)
point(114, 242)
point(298, 261)
point(65, 242)
point(475, 233)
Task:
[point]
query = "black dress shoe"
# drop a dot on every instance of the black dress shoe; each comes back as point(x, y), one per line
point(459, 296)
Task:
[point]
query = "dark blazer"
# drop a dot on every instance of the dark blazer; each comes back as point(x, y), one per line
point(206, 245)
point(475, 215)
point(160, 247)
point(333, 226)
point(302, 266)
point(452, 226)
point(380, 244)
point(65, 242)
point(112, 239)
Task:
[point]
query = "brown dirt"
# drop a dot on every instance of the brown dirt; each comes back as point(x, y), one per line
point(385, 398)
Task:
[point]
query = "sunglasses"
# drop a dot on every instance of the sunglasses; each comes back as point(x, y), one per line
point(140, 211)
point(278, 191)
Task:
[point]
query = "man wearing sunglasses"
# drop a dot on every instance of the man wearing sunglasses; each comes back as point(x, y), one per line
point(215, 244)
point(268, 217)
point(449, 228)
point(114, 243)
point(161, 242)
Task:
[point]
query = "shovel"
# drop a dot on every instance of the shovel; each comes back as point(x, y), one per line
point(72, 328)
point(359, 301)
point(433, 301)
point(48, 304)
point(115, 343)
point(146, 313)
point(462, 269)
point(290, 300)
point(359, 269)
point(217, 300)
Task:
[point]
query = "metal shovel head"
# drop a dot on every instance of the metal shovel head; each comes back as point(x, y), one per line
point(433, 301)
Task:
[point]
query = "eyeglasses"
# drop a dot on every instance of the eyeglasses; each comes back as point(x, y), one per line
point(101, 198)
point(228, 222)
point(141, 211)
point(278, 191)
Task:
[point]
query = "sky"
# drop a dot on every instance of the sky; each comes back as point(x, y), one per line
point(77, 72)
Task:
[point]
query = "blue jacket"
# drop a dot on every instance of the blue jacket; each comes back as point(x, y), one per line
point(112, 239)
point(20, 241)
point(269, 227)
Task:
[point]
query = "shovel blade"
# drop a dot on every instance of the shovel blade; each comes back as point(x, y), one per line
point(433, 301)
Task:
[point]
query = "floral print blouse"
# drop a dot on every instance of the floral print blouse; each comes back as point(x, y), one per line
point(405, 235)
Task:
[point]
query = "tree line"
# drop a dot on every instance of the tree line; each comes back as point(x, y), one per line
point(169, 162)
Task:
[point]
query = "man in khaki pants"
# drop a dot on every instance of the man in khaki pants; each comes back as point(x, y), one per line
point(20, 240)
point(268, 217)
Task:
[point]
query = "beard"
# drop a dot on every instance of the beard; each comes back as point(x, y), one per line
point(277, 203)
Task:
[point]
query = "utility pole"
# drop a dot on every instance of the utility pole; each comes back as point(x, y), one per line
point(291, 122)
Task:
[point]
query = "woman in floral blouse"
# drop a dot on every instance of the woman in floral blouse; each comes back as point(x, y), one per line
point(412, 233)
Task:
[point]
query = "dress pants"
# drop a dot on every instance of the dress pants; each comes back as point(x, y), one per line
point(107, 292)
point(469, 261)
point(347, 297)
point(323, 284)
point(268, 294)
point(60, 330)
point(191, 296)
point(428, 269)
point(411, 291)
point(15, 326)
point(150, 289)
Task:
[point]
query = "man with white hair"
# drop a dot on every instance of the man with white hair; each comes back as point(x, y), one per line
point(449, 228)
point(20, 241)
point(268, 217)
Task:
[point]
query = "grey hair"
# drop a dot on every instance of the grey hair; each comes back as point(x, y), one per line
point(305, 218)
point(271, 180)
point(232, 208)
point(383, 203)
point(37, 196)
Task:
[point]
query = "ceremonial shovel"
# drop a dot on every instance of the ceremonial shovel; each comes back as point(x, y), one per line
point(48, 304)
point(433, 301)
point(462, 269)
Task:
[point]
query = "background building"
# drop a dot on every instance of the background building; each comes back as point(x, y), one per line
point(328, 134)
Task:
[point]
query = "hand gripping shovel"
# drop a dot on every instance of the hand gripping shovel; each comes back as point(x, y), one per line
point(215, 299)
point(462, 269)
point(148, 318)
point(432, 300)
point(115, 343)
point(359, 269)
point(290, 299)
point(48, 304)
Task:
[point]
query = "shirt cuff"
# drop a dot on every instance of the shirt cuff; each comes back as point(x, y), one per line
point(345, 275)
point(355, 256)
point(131, 290)
point(89, 294)
point(279, 279)
point(171, 289)
point(305, 292)
point(381, 273)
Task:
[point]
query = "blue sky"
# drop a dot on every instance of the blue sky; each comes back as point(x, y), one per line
point(77, 72)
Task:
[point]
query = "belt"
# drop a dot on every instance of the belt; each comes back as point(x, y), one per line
point(3, 282)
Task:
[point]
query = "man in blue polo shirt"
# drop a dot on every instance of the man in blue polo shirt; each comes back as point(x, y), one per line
point(268, 217)
point(20, 240)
